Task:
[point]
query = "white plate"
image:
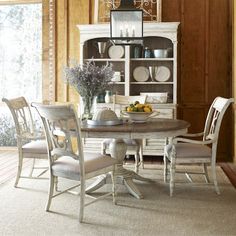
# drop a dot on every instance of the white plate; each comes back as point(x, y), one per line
point(141, 74)
point(115, 52)
point(163, 74)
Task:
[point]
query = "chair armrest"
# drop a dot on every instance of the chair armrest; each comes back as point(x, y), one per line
point(193, 135)
point(185, 140)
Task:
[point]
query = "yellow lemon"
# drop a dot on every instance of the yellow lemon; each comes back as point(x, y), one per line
point(147, 109)
point(139, 106)
point(129, 109)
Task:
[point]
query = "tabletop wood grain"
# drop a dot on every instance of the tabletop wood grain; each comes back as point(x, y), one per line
point(157, 125)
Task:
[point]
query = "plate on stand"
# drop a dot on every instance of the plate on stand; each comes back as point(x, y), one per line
point(141, 74)
point(116, 52)
point(162, 74)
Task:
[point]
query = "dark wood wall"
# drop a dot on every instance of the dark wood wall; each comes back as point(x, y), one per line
point(204, 62)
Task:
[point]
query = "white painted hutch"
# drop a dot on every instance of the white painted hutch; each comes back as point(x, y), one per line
point(156, 36)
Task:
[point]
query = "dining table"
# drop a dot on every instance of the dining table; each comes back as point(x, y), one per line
point(152, 129)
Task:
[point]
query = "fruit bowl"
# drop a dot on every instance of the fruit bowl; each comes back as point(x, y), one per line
point(138, 117)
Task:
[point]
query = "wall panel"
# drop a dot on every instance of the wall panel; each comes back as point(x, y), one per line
point(205, 65)
point(69, 14)
point(193, 51)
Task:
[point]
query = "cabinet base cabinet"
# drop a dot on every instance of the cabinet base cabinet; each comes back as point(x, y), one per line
point(151, 147)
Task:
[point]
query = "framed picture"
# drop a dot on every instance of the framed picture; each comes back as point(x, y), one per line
point(151, 9)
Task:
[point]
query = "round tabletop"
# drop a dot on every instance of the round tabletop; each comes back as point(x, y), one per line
point(157, 125)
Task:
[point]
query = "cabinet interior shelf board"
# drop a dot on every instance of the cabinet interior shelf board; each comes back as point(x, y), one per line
point(152, 59)
point(151, 82)
point(105, 59)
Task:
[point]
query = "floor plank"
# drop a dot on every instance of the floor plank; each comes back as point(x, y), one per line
point(9, 159)
point(8, 165)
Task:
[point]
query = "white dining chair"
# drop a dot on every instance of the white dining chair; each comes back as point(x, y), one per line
point(30, 143)
point(189, 151)
point(67, 159)
point(134, 146)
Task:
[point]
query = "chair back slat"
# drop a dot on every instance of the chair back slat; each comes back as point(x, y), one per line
point(62, 129)
point(214, 118)
point(22, 116)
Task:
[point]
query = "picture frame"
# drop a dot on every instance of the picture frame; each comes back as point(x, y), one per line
point(151, 9)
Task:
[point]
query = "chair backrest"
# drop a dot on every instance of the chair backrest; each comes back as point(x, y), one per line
point(22, 116)
point(123, 101)
point(62, 130)
point(214, 118)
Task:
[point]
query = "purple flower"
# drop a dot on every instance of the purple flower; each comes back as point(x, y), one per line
point(89, 79)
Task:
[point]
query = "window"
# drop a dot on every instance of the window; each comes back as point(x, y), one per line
point(21, 51)
point(20, 60)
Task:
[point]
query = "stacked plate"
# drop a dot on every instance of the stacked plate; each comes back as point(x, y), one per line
point(141, 74)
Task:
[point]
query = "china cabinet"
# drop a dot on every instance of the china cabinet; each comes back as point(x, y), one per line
point(150, 69)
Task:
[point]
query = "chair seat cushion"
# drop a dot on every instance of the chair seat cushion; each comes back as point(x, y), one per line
point(184, 150)
point(69, 168)
point(35, 147)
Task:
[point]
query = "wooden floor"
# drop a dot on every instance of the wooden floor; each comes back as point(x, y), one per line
point(8, 165)
point(9, 158)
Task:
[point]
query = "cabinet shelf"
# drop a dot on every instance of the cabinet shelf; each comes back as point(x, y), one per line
point(123, 83)
point(105, 59)
point(152, 59)
point(149, 82)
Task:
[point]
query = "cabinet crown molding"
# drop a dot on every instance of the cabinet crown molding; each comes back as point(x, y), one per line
point(161, 29)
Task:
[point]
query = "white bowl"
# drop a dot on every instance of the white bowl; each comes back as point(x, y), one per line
point(160, 53)
point(156, 97)
point(138, 117)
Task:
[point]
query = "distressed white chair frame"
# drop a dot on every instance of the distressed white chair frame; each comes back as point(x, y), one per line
point(134, 146)
point(66, 157)
point(30, 143)
point(175, 152)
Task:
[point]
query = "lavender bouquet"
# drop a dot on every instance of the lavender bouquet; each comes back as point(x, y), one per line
point(89, 80)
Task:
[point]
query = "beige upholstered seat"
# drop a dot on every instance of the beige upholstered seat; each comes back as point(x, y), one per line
point(65, 150)
point(189, 151)
point(134, 146)
point(30, 143)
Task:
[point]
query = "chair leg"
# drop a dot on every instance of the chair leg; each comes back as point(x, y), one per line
point(19, 169)
point(165, 160)
point(32, 168)
point(50, 192)
point(172, 177)
point(113, 178)
point(56, 183)
point(136, 157)
point(165, 168)
point(141, 155)
point(172, 170)
point(213, 169)
point(206, 173)
point(82, 197)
